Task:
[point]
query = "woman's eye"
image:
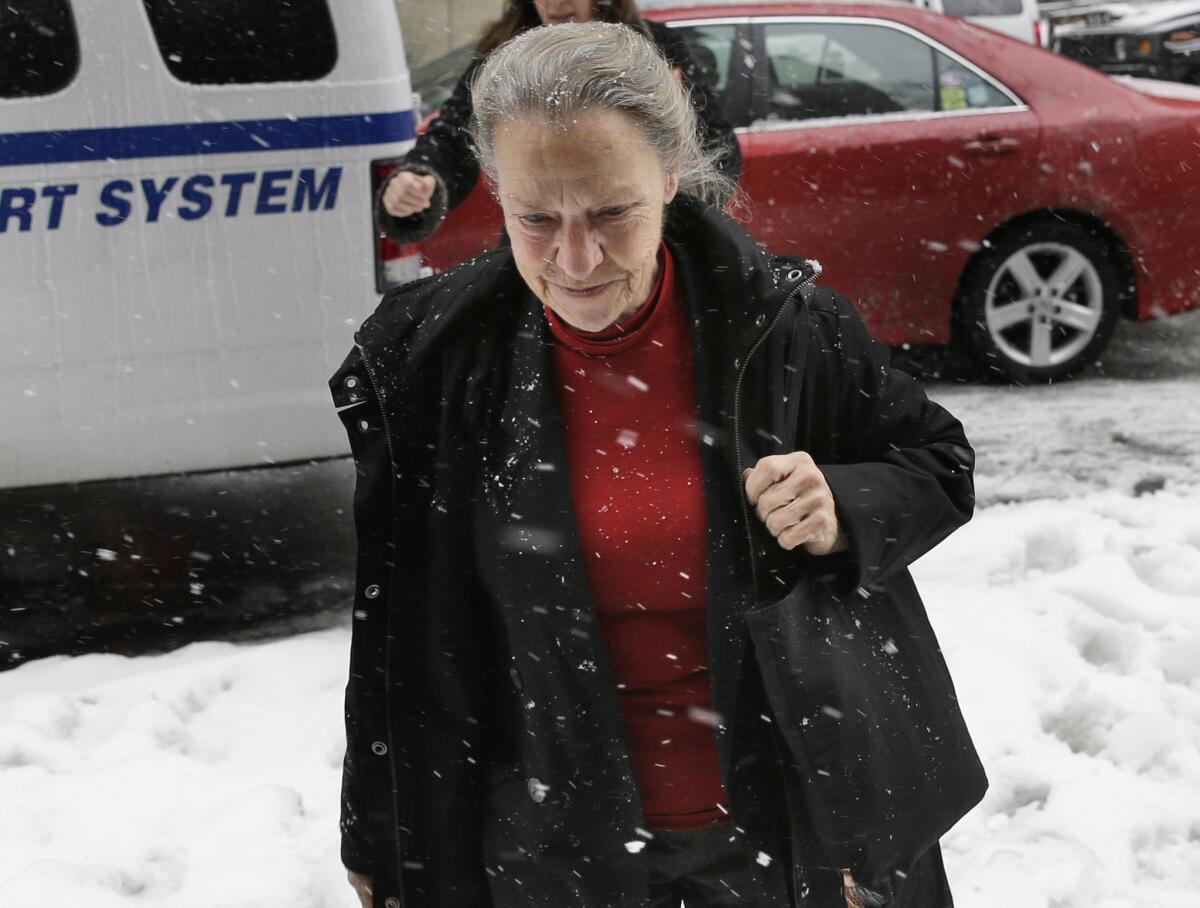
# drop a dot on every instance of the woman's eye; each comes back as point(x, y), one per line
point(534, 220)
point(613, 212)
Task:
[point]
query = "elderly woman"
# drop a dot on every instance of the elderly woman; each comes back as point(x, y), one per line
point(635, 502)
point(440, 170)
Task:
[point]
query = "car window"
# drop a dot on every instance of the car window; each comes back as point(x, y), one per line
point(982, 7)
point(219, 42)
point(712, 49)
point(819, 70)
point(826, 70)
point(961, 88)
point(39, 49)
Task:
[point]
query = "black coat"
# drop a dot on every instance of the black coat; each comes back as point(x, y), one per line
point(444, 150)
point(486, 760)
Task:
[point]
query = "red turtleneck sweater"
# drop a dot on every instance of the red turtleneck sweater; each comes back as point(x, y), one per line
point(628, 401)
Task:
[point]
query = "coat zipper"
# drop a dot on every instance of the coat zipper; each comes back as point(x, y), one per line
point(797, 880)
point(387, 657)
point(737, 418)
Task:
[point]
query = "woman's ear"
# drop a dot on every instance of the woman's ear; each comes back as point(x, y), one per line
point(670, 187)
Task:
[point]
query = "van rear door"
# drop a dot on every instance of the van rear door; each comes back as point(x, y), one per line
point(186, 229)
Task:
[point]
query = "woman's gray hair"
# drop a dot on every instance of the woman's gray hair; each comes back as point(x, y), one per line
point(558, 72)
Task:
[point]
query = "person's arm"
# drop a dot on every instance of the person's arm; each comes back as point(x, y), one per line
point(901, 480)
point(904, 477)
point(444, 154)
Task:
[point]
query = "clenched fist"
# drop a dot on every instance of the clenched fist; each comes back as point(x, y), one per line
point(791, 497)
point(407, 193)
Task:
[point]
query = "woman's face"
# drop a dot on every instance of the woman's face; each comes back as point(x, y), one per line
point(583, 205)
point(556, 12)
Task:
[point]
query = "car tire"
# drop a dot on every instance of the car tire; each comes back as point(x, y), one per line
point(1038, 303)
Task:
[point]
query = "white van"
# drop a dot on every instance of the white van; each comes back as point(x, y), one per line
point(186, 242)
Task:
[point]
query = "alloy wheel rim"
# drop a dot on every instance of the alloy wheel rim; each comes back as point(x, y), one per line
point(1044, 305)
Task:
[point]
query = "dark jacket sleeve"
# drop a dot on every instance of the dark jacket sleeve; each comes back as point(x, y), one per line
point(716, 132)
point(443, 152)
point(902, 472)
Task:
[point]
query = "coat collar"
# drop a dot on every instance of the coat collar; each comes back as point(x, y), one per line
point(739, 284)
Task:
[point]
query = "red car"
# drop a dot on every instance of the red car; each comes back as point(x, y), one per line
point(960, 185)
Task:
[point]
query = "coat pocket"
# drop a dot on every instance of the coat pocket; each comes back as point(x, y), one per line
point(513, 830)
point(866, 706)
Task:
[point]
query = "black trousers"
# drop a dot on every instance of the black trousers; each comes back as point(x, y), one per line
point(712, 868)
point(705, 868)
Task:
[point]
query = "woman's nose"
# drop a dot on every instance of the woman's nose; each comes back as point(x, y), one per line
point(579, 252)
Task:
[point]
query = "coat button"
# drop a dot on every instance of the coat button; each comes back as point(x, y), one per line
point(517, 680)
point(379, 748)
point(372, 592)
point(350, 381)
point(364, 426)
point(391, 903)
point(537, 791)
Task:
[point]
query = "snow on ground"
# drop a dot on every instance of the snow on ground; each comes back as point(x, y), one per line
point(1134, 427)
point(205, 777)
point(1073, 632)
point(1065, 440)
point(209, 776)
point(1069, 610)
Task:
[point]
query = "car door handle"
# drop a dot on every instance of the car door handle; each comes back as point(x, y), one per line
point(991, 146)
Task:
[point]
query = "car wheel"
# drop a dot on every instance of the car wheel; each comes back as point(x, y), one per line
point(1038, 303)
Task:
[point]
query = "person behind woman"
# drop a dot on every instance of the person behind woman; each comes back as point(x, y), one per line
point(440, 170)
point(635, 504)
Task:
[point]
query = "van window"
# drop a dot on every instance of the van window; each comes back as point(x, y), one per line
point(982, 7)
point(217, 42)
point(39, 50)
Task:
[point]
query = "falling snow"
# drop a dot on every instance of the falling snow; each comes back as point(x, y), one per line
point(1068, 610)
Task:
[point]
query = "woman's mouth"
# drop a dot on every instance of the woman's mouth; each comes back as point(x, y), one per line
point(559, 20)
point(584, 292)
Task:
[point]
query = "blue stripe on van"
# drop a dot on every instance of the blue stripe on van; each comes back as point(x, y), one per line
point(230, 137)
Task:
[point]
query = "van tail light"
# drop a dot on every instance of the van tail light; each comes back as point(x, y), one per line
point(395, 263)
point(1038, 36)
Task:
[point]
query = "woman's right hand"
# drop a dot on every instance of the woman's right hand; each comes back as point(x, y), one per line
point(362, 887)
point(407, 193)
